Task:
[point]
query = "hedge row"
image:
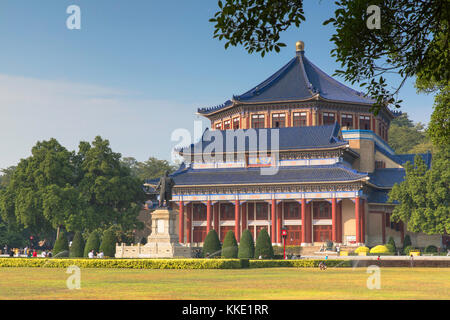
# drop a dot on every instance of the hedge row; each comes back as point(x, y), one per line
point(165, 263)
point(300, 263)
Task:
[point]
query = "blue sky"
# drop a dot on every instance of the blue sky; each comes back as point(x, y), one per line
point(136, 71)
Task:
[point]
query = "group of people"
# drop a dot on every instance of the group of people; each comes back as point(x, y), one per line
point(28, 252)
point(100, 255)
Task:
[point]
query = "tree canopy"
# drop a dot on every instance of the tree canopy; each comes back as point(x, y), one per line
point(424, 196)
point(79, 191)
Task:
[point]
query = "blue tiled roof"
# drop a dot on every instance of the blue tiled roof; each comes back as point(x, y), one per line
point(387, 177)
point(379, 196)
point(290, 138)
point(294, 174)
point(401, 159)
point(298, 80)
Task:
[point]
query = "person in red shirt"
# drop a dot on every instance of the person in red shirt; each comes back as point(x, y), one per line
point(34, 254)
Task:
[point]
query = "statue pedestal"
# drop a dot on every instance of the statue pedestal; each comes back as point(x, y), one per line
point(163, 241)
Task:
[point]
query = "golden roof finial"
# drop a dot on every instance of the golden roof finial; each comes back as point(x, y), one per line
point(300, 46)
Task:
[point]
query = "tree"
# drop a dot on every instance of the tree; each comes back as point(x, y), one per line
point(113, 196)
point(77, 247)
point(230, 246)
point(246, 246)
point(151, 169)
point(405, 136)
point(32, 196)
point(263, 246)
point(61, 244)
point(108, 245)
point(92, 243)
point(412, 41)
point(391, 245)
point(211, 245)
point(424, 196)
point(406, 243)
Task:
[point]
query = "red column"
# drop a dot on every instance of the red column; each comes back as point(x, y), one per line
point(309, 238)
point(383, 227)
point(402, 231)
point(236, 221)
point(273, 233)
point(339, 239)
point(279, 221)
point(333, 220)
point(244, 216)
point(208, 216)
point(181, 222)
point(216, 217)
point(303, 221)
point(357, 220)
point(189, 223)
point(363, 221)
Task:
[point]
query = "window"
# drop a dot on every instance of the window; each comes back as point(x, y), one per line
point(299, 119)
point(218, 126)
point(262, 212)
point(226, 211)
point(236, 122)
point(278, 120)
point(291, 210)
point(250, 211)
point(380, 164)
point(322, 210)
point(226, 125)
point(328, 118)
point(199, 212)
point(347, 121)
point(364, 122)
point(224, 230)
point(258, 121)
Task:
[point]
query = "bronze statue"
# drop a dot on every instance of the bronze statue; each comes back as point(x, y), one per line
point(165, 186)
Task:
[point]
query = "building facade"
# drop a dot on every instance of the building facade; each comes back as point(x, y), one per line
point(300, 151)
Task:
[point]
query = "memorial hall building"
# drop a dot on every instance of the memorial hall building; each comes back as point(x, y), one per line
point(299, 151)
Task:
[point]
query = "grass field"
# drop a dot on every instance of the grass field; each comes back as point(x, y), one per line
point(270, 283)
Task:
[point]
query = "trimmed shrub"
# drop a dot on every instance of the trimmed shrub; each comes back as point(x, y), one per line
point(263, 246)
point(431, 249)
point(406, 243)
point(108, 245)
point(92, 243)
point(246, 246)
point(77, 247)
point(211, 246)
point(362, 249)
point(61, 244)
point(380, 250)
point(392, 243)
point(230, 246)
point(408, 249)
point(391, 248)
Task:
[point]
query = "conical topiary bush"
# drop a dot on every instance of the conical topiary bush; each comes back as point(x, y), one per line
point(246, 246)
point(61, 244)
point(230, 246)
point(108, 245)
point(211, 246)
point(263, 246)
point(92, 243)
point(77, 247)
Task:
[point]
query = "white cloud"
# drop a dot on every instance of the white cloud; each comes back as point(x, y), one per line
point(35, 109)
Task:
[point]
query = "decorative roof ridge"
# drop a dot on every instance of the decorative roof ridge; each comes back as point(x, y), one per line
point(334, 81)
point(309, 85)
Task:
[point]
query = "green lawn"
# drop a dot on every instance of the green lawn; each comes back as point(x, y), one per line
point(270, 283)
